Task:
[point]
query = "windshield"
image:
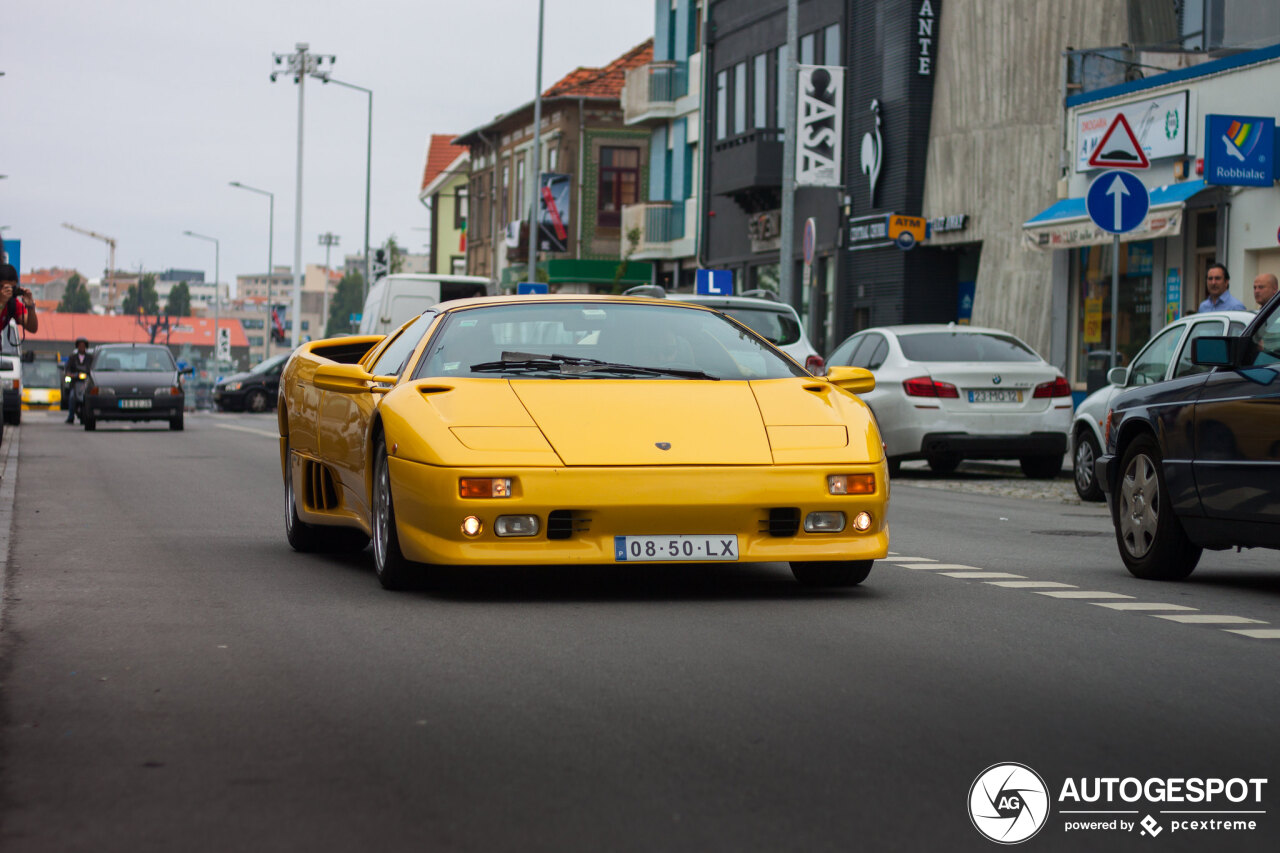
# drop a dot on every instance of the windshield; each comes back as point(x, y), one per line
point(965, 346)
point(777, 327)
point(271, 365)
point(597, 340)
point(134, 360)
point(42, 374)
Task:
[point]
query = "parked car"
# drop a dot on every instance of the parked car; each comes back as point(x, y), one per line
point(253, 391)
point(760, 310)
point(41, 384)
point(11, 383)
point(950, 393)
point(579, 429)
point(1194, 462)
point(1166, 356)
point(133, 382)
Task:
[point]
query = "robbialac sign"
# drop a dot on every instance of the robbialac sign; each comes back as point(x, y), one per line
point(1239, 150)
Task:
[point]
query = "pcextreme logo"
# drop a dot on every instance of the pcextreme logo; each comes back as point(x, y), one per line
point(1010, 803)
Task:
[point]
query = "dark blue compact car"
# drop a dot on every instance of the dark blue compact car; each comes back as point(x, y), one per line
point(1194, 462)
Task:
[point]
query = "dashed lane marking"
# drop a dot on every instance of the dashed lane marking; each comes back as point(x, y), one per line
point(1206, 619)
point(1140, 605)
point(894, 558)
point(1032, 584)
point(1081, 593)
point(1256, 633)
point(955, 567)
point(980, 575)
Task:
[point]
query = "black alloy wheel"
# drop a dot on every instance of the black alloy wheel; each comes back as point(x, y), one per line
point(389, 562)
point(1152, 542)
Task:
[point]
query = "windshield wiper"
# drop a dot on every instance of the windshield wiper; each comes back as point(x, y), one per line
point(639, 370)
point(570, 365)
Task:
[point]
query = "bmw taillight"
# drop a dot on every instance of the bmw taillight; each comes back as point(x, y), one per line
point(815, 365)
point(925, 386)
point(1057, 388)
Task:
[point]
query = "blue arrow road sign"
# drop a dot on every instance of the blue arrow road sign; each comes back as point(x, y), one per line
point(714, 282)
point(531, 288)
point(1117, 201)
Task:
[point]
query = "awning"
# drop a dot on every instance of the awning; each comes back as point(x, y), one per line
point(1066, 224)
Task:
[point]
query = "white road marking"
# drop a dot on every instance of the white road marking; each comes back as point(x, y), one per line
point(267, 433)
point(1081, 593)
point(953, 566)
point(1140, 605)
point(1256, 633)
point(1032, 584)
point(894, 558)
point(1206, 619)
point(980, 575)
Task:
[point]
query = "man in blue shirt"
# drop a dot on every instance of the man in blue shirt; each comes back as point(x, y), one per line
point(1217, 279)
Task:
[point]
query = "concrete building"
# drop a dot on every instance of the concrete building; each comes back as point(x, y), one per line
point(593, 163)
point(444, 194)
point(665, 96)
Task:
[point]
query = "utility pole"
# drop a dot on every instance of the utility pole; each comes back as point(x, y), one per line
point(300, 64)
point(786, 285)
point(328, 239)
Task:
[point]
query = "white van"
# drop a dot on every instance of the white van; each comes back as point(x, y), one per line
point(397, 298)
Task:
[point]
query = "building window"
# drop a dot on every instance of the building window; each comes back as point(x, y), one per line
point(460, 208)
point(250, 323)
point(760, 97)
point(740, 98)
point(806, 49)
point(255, 340)
point(831, 45)
point(553, 157)
point(722, 105)
point(519, 212)
point(780, 89)
point(506, 192)
point(619, 184)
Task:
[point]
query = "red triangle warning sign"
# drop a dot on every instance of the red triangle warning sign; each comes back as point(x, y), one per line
point(1119, 150)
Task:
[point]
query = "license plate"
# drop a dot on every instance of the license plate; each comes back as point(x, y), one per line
point(652, 549)
point(995, 395)
point(135, 404)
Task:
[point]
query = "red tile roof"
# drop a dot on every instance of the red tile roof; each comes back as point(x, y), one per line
point(44, 276)
point(602, 82)
point(120, 328)
point(441, 154)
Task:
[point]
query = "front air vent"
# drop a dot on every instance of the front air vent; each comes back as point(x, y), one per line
point(564, 523)
point(320, 492)
point(783, 521)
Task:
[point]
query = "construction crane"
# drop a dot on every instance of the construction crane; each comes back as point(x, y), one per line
point(111, 260)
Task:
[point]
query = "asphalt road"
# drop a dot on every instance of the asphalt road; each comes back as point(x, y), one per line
point(176, 678)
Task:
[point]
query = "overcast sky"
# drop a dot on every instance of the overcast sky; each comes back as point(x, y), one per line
point(130, 117)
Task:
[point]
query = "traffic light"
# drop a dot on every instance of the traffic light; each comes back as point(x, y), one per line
point(379, 266)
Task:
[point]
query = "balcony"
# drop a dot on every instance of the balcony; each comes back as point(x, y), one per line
point(662, 229)
point(748, 166)
point(651, 90)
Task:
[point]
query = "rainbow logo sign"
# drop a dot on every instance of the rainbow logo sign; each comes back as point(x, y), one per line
point(1239, 151)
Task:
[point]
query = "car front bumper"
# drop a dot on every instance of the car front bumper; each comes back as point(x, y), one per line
point(594, 505)
point(109, 409)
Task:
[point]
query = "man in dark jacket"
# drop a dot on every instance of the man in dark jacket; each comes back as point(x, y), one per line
point(76, 363)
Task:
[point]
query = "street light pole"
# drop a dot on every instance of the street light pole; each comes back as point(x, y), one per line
point(271, 239)
point(300, 64)
point(217, 288)
point(368, 170)
point(328, 239)
point(537, 156)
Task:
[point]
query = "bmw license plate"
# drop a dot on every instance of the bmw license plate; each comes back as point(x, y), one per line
point(687, 548)
point(995, 395)
point(135, 404)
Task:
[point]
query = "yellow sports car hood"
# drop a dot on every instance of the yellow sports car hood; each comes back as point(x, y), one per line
point(599, 422)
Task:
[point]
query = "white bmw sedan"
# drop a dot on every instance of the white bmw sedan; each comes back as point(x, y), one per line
point(950, 393)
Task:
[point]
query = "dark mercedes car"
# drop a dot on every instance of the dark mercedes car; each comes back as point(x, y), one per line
point(1194, 462)
point(133, 382)
point(254, 391)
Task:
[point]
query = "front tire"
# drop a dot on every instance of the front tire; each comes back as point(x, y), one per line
point(1087, 452)
point(255, 401)
point(1041, 467)
point(175, 423)
point(89, 421)
point(943, 463)
point(389, 562)
point(831, 573)
point(1152, 542)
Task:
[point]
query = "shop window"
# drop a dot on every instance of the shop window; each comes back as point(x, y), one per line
point(619, 184)
point(1093, 308)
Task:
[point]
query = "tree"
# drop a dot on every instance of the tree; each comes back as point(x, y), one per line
point(75, 299)
point(348, 300)
point(179, 304)
point(395, 255)
point(148, 302)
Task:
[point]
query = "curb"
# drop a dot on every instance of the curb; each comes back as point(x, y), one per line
point(8, 490)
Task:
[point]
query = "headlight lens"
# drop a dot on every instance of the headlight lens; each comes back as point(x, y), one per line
point(484, 487)
point(232, 386)
point(851, 484)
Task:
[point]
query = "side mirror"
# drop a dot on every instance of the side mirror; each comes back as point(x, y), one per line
point(187, 371)
point(1118, 376)
point(1215, 352)
point(350, 379)
point(29, 357)
point(855, 380)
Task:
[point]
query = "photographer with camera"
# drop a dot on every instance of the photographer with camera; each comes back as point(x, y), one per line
point(16, 301)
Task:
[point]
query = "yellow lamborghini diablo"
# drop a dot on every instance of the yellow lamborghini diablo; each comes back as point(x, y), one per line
point(591, 429)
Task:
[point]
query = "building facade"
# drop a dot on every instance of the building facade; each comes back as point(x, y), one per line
point(444, 194)
point(594, 166)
